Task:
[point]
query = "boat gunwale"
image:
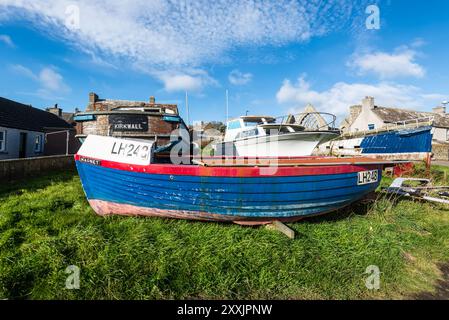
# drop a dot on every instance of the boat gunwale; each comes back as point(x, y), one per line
point(280, 161)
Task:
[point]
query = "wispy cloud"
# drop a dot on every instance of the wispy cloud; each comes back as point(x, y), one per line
point(193, 80)
point(164, 38)
point(7, 40)
point(238, 78)
point(24, 71)
point(179, 33)
point(401, 63)
point(51, 82)
point(341, 95)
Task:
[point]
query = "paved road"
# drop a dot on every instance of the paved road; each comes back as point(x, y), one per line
point(441, 163)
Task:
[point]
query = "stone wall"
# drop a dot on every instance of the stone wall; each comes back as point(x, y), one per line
point(440, 152)
point(158, 129)
point(18, 169)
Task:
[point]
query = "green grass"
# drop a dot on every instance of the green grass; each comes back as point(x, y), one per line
point(46, 225)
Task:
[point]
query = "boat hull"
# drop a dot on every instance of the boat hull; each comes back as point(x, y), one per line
point(298, 144)
point(241, 195)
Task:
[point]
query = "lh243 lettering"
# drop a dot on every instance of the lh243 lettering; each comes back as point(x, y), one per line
point(130, 150)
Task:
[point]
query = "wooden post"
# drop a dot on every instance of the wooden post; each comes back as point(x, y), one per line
point(67, 143)
point(428, 164)
point(279, 226)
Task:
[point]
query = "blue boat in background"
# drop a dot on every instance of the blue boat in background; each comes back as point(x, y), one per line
point(400, 143)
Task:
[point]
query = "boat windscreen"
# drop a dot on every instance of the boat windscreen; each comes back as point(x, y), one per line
point(252, 123)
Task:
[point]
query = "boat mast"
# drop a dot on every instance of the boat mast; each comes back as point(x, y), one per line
point(187, 107)
point(227, 106)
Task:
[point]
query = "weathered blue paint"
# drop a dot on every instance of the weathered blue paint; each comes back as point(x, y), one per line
point(87, 117)
point(402, 141)
point(252, 197)
point(171, 119)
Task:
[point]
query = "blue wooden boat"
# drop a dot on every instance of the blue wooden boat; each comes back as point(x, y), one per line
point(413, 143)
point(117, 179)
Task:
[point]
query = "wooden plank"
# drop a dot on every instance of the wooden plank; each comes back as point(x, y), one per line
point(279, 226)
point(274, 163)
point(198, 162)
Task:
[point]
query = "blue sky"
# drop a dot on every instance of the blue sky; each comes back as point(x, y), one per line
point(273, 57)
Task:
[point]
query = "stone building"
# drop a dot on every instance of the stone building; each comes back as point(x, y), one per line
point(130, 119)
point(368, 116)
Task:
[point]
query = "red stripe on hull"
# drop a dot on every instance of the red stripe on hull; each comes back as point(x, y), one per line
point(321, 168)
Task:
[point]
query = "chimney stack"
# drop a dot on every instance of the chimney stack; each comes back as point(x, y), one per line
point(354, 112)
point(55, 110)
point(152, 100)
point(368, 103)
point(439, 110)
point(93, 97)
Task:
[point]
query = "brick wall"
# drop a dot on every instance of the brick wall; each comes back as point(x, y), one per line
point(18, 169)
point(98, 127)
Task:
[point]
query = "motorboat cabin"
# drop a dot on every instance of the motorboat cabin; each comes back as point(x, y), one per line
point(266, 136)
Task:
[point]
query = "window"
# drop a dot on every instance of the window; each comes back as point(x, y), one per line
point(247, 134)
point(155, 110)
point(252, 123)
point(447, 135)
point(234, 124)
point(38, 144)
point(2, 140)
point(371, 126)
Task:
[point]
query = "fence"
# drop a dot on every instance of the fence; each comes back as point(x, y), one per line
point(17, 169)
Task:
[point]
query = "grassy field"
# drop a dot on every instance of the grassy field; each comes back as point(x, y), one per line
point(46, 225)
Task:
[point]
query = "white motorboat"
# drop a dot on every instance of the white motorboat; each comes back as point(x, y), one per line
point(288, 136)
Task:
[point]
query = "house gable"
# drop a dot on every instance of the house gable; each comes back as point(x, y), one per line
point(366, 117)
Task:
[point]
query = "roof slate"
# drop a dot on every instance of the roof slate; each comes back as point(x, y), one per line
point(392, 115)
point(20, 116)
point(109, 105)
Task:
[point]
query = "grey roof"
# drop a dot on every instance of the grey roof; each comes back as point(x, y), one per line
point(122, 103)
point(68, 116)
point(20, 116)
point(112, 104)
point(392, 115)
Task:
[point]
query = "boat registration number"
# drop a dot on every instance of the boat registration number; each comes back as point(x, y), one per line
point(131, 150)
point(367, 177)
